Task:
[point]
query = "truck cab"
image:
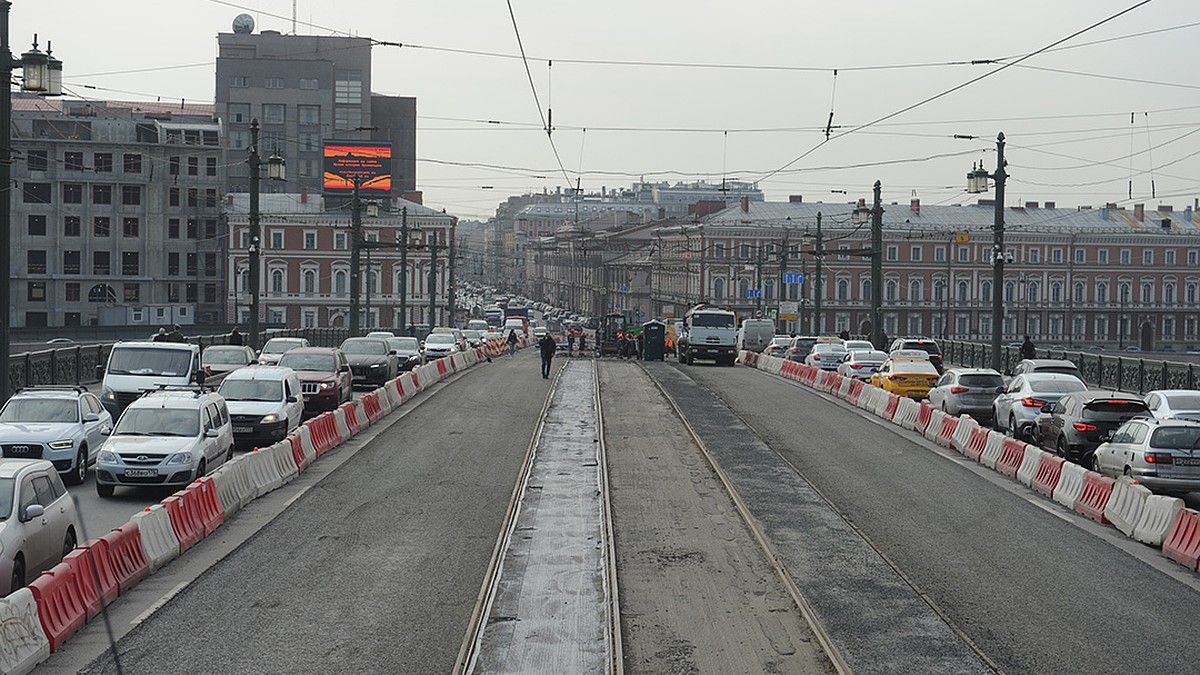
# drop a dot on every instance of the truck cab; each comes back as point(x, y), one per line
point(708, 333)
point(134, 368)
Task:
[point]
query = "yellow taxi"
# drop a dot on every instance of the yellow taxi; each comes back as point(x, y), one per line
point(906, 376)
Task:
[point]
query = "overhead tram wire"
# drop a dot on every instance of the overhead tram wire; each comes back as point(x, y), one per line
point(955, 88)
point(533, 88)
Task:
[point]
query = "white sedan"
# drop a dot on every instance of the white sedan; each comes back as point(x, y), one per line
point(1180, 404)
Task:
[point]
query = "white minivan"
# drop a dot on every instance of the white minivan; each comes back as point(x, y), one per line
point(134, 368)
point(265, 403)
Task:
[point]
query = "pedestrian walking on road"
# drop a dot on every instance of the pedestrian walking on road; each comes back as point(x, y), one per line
point(235, 337)
point(547, 346)
point(582, 343)
point(571, 340)
point(1028, 351)
point(512, 342)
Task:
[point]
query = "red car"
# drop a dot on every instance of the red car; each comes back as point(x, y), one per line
point(325, 378)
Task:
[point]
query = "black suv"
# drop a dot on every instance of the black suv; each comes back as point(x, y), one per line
point(1076, 424)
point(926, 345)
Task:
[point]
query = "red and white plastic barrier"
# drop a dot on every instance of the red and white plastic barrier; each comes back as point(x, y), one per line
point(1182, 543)
point(1125, 505)
point(23, 642)
point(1158, 516)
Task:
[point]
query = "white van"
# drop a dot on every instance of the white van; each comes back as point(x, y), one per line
point(167, 438)
point(755, 334)
point(265, 403)
point(137, 367)
point(477, 324)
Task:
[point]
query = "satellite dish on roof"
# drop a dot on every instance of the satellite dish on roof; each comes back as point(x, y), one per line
point(243, 24)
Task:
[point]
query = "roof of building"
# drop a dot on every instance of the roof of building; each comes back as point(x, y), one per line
point(277, 203)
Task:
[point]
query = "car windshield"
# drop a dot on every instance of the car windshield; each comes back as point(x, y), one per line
point(149, 361)
point(1185, 438)
point(439, 339)
point(312, 362)
point(1183, 401)
point(713, 320)
point(226, 356)
point(158, 422)
point(369, 347)
point(251, 390)
point(1063, 386)
point(280, 345)
point(8, 488)
point(40, 410)
point(981, 380)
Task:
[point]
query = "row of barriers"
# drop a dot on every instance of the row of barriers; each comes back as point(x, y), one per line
point(1156, 520)
point(39, 619)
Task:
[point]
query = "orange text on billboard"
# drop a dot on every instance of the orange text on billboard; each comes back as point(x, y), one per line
point(368, 165)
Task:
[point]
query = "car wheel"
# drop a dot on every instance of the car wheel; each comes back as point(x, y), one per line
point(18, 574)
point(229, 454)
point(104, 490)
point(691, 360)
point(202, 468)
point(1060, 449)
point(79, 471)
point(1012, 427)
point(69, 542)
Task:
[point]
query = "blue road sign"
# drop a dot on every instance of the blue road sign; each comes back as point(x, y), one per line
point(754, 293)
point(793, 277)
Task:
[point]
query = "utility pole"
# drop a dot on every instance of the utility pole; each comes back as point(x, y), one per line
point(877, 269)
point(450, 294)
point(758, 299)
point(433, 249)
point(367, 301)
point(403, 271)
point(782, 293)
point(819, 254)
point(255, 249)
point(5, 203)
point(803, 295)
point(998, 244)
point(355, 260)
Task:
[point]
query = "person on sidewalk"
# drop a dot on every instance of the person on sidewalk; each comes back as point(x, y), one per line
point(1028, 351)
point(512, 342)
point(547, 347)
point(235, 337)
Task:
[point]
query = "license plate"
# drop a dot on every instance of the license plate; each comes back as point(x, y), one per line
point(1187, 461)
point(242, 430)
point(140, 473)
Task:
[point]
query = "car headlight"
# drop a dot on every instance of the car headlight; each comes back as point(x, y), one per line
point(108, 394)
point(268, 419)
point(376, 365)
point(180, 458)
point(65, 444)
point(108, 457)
point(328, 385)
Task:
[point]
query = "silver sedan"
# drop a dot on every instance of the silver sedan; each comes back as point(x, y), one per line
point(1163, 455)
point(967, 390)
point(1018, 405)
point(1182, 404)
point(861, 364)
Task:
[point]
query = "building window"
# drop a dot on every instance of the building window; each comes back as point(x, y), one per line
point(893, 253)
point(985, 292)
point(1169, 293)
point(309, 115)
point(210, 264)
point(744, 251)
point(72, 193)
point(172, 264)
point(130, 227)
point(1126, 257)
point(964, 254)
point(36, 291)
point(1147, 257)
point(193, 265)
point(310, 281)
point(1169, 257)
point(72, 262)
point(1102, 256)
point(193, 197)
point(101, 226)
point(915, 254)
point(273, 113)
point(939, 254)
point(347, 118)
point(939, 290)
point(210, 197)
point(1010, 292)
point(131, 195)
point(73, 161)
point(210, 166)
point(1033, 255)
point(308, 168)
point(133, 163)
point(36, 225)
point(276, 239)
point(1056, 256)
point(1033, 292)
point(35, 193)
point(339, 282)
point(173, 228)
point(277, 281)
point(102, 194)
point(191, 293)
point(1102, 292)
point(193, 164)
point(964, 291)
point(1192, 258)
point(347, 87)
point(1056, 292)
point(239, 81)
point(843, 289)
point(100, 263)
point(1124, 293)
point(72, 226)
point(35, 262)
point(310, 141)
point(915, 291)
point(841, 256)
point(210, 229)
point(131, 265)
point(718, 250)
point(173, 196)
point(71, 291)
point(239, 113)
point(310, 240)
point(339, 241)
point(1080, 256)
point(1190, 291)
point(37, 160)
point(309, 83)
point(1080, 293)
point(210, 293)
point(1147, 293)
point(133, 292)
point(274, 83)
point(191, 229)
point(890, 290)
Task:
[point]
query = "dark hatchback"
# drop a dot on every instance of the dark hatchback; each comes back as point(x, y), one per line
point(1076, 424)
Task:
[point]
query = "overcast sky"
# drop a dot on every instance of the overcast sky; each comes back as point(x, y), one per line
point(1070, 134)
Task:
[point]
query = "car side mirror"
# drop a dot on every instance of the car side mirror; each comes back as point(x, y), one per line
point(1106, 436)
point(91, 417)
point(1048, 408)
point(34, 511)
point(292, 399)
point(99, 371)
point(1008, 373)
point(211, 433)
point(1000, 390)
point(199, 376)
point(105, 431)
point(393, 352)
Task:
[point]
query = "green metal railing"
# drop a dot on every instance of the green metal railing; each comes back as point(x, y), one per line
point(1131, 375)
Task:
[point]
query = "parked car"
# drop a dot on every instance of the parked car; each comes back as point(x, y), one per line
point(1015, 408)
point(325, 378)
point(779, 346)
point(1182, 404)
point(927, 345)
point(1162, 454)
point(1076, 424)
point(63, 425)
point(438, 345)
point(800, 347)
point(826, 355)
point(861, 364)
point(264, 402)
point(167, 438)
point(906, 377)
point(371, 360)
point(1046, 366)
point(275, 348)
point(38, 522)
point(968, 391)
point(224, 358)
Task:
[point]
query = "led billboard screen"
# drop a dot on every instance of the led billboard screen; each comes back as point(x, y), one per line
point(368, 164)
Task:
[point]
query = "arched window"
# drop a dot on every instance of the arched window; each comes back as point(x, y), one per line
point(718, 289)
point(244, 281)
point(1125, 292)
point(963, 292)
point(1169, 293)
point(310, 281)
point(1033, 292)
point(276, 281)
point(939, 290)
point(890, 289)
point(1147, 293)
point(1056, 291)
point(1190, 290)
point(339, 282)
point(914, 290)
point(102, 293)
point(1102, 292)
point(985, 292)
point(843, 289)
point(1080, 292)
point(866, 290)
point(1010, 291)
point(769, 289)
point(743, 287)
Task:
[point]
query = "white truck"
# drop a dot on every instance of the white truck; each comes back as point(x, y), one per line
point(755, 334)
point(708, 333)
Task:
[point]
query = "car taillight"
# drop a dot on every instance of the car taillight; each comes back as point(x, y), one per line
point(1159, 458)
point(1084, 426)
point(794, 350)
point(958, 390)
point(816, 357)
point(1030, 402)
point(856, 366)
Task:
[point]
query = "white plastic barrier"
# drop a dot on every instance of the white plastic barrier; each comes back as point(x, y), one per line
point(285, 462)
point(393, 394)
point(23, 643)
point(307, 445)
point(993, 450)
point(866, 400)
point(843, 391)
point(934, 429)
point(1070, 484)
point(1158, 514)
point(343, 429)
point(1125, 504)
point(906, 413)
point(159, 543)
point(1029, 464)
point(360, 414)
point(264, 475)
point(234, 489)
point(962, 434)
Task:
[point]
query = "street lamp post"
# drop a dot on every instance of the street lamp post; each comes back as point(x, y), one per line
point(404, 271)
point(356, 206)
point(977, 182)
point(818, 289)
point(433, 249)
point(275, 171)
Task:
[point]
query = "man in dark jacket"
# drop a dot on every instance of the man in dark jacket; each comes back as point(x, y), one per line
point(1028, 351)
point(547, 347)
point(176, 335)
point(235, 337)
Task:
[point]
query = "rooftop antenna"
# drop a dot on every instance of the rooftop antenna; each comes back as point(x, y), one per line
point(293, 17)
